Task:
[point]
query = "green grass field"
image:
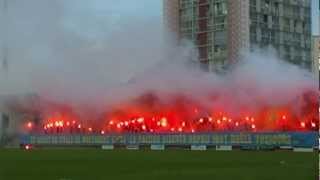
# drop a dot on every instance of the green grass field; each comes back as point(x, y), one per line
point(93, 164)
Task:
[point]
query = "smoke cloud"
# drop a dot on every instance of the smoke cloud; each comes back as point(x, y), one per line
point(77, 53)
point(73, 50)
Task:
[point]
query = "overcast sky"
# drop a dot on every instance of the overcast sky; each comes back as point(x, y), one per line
point(144, 8)
point(124, 10)
point(91, 18)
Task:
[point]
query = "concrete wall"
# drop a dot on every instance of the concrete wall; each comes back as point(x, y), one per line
point(238, 28)
point(171, 15)
point(316, 55)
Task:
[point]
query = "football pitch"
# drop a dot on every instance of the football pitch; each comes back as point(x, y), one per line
point(94, 164)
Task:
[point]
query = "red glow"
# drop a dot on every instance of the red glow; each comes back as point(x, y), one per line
point(29, 125)
point(140, 120)
point(201, 120)
point(164, 122)
point(27, 147)
point(224, 118)
point(118, 126)
point(178, 116)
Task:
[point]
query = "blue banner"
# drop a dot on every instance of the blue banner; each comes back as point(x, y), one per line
point(295, 139)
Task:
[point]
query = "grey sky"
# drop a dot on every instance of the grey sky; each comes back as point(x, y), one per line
point(107, 19)
point(153, 8)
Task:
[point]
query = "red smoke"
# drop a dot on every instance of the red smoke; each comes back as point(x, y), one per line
point(181, 114)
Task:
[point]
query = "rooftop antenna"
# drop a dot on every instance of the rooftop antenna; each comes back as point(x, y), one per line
point(5, 64)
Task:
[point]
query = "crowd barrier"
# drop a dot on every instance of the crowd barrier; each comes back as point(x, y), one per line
point(291, 139)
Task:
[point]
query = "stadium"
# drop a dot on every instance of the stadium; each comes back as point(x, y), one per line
point(187, 140)
point(125, 90)
point(145, 121)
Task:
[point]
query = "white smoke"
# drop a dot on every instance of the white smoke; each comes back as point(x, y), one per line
point(75, 49)
point(78, 53)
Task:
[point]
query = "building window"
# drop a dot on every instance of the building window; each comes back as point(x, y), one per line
point(5, 121)
point(265, 18)
point(220, 8)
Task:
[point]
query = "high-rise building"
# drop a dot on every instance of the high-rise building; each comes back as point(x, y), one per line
point(222, 29)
